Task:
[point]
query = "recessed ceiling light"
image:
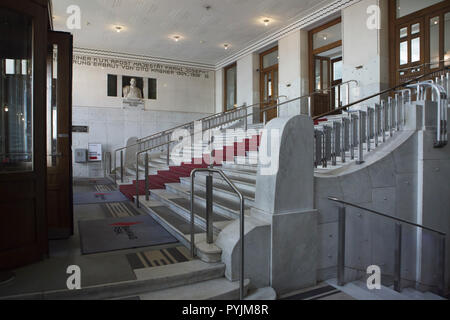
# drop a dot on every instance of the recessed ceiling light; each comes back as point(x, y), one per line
point(6, 109)
point(176, 38)
point(266, 22)
point(325, 37)
point(226, 46)
point(118, 28)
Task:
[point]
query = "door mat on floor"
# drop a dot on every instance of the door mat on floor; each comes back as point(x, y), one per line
point(122, 233)
point(98, 197)
point(155, 258)
point(93, 181)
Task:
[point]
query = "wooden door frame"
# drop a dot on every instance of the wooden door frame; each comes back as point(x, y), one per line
point(61, 225)
point(225, 79)
point(314, 52)
point(263, 70)
point(37, 178)
point(394, 22)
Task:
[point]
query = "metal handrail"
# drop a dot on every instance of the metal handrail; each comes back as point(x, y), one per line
point(379, 93)
point(387, 216)
point(336, 85)
point(424, 64)
point(398, 245)
point(241, 220)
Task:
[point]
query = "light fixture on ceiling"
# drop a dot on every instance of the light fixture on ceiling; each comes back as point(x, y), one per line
point(176, 38)
point(6, 109)
point(118, 28)
point(226, 46)
point(266, 22)
point(325, 37)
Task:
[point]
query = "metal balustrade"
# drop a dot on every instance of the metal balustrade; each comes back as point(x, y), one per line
point(398, 245)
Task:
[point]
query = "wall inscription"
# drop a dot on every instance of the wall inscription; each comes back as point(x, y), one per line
point(129, 65)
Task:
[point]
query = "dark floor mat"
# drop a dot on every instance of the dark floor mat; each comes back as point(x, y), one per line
point(155, 258)
point(98, 197)
point(122, 233)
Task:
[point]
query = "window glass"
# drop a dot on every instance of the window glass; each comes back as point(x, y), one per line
point(337, 70)
point(270, 59)
point(405, 7)
point(327, 36)
point(16, 118)
point(403, 32)
point(317, 75)
point(230, 87)
point(447, 39)
point(325, 74)
point(415, 28)
point(434, 42)
point(403, 52)
point(415, 49)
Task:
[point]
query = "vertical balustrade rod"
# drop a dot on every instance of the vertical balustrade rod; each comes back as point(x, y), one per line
point(343, 140)
point(376, 124)
point(121, 166)
point(442, 254)
point(209, 209)
point(398, 258)
point(360, 139)
point(341, 248)
point(192, 216)
point(309, 106)
point(137, 180)
point(147, 184)
point(383, 120)
point(368, 128)
point(168, 154)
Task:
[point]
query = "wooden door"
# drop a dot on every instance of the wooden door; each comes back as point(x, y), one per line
point(321, 98)
point(410, 52)
point(23, 220)
point(269, 83)
point(59, 136)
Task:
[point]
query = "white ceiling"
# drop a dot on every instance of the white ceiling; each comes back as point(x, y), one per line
point(149, 24)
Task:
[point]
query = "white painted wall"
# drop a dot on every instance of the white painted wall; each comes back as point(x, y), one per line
point(248, 84)
point(180, 99)
point(219, 78)
point(365, 51)
point(293, 71)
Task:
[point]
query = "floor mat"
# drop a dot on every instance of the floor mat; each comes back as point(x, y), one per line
point(155, 258)
point(122, 233)
point(98, 197)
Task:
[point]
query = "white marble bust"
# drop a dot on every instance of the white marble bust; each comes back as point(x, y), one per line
point(132, 91)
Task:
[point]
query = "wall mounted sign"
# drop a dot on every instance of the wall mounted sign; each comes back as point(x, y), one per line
point(82, 129)
point(130, 65)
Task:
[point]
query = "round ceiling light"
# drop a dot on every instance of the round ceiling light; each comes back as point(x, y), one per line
point(266, 22)
point(176, 38)
point(118, 29)
point(226, 46)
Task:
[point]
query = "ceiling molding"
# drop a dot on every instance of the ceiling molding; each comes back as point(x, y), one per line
point(300, 23)
point(308, 18)
point(143, 58)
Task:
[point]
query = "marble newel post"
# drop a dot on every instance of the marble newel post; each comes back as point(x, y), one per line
point(284, 199)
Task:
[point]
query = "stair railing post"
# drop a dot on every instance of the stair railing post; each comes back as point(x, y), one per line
point(137, 180)
point(209, 209)
point(147, 185)
point(341, 248)
point(168, 154)
point(398, 258)
point(310, 106)
point(241, 245)
point(360, 139)
point(383, 120)
point(192, 215)
point(442, 253)
point(121, 166)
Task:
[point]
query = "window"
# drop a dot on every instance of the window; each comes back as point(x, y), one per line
point(230, 87)
point(112, 85)
point(406, 7)
point(152, 87)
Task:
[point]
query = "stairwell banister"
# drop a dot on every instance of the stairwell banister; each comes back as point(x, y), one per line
point(395, 88)
point(241, 220)
point(398, 244)
point(441, 97)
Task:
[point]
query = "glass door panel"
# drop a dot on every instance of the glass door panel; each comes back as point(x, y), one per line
point(16, 96)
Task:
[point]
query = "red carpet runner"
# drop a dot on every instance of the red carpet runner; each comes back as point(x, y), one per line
point(174, 173)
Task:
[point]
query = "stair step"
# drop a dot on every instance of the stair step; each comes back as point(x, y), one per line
point(147, 280)
point(216, 289)
point(182, 207)
point(222, 206)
